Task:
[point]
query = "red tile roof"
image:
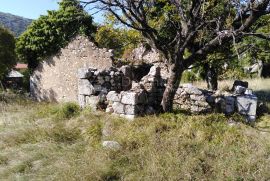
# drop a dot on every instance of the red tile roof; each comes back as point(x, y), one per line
point(21, 66)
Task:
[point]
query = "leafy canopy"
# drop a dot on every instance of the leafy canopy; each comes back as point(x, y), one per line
point(120, 39)
point(7, 53)
point(49, 33)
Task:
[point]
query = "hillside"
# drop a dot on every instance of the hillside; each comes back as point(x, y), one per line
point(14, 23)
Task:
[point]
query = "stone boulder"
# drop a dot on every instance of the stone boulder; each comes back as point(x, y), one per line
point(247, 105)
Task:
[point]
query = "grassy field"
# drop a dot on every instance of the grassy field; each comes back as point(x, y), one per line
point(40, 141)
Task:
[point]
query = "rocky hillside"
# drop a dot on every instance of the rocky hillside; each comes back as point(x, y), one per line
point(14, 23)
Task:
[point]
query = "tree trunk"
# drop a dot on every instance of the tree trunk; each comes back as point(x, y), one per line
point(171, 88)
point(211, 77)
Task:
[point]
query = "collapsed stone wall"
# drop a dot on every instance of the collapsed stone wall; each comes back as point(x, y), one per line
point(115, 91)
point(94, 85)
point(55, 78)
point(143, 55)
point(240, 99)
point(192, 99)
point(143, 98)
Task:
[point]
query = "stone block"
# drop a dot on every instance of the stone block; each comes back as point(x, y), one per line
point(130, 98)
point(92, 101)
point(118, 108)
point(85, 87)
point(83, 73)
point(239, 83)
point(111, 145)
point(133, 109)
point(248, 92)
point(113, 96)
point(247, 105)
point(240, 89)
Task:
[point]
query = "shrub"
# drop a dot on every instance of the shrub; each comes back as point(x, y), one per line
point(68, 110)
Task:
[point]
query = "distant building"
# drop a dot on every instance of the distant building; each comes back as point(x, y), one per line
point(21, 66)
point(14, 79)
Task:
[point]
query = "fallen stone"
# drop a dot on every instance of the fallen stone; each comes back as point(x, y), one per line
point(111, 145)
point(247, 105)
point(239, 83)
point(248, 92)
point(240, 89)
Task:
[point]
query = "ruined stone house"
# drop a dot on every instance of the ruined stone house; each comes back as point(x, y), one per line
point(55, 78)
point(83, 73)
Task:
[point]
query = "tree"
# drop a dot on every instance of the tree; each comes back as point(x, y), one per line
point(120, 39)
point(7, 52)
point(172, 26)
point(49, 33)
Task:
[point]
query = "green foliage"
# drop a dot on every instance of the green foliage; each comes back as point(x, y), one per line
point(189, 76)
point(257, 48)
point(111, 36)
point(68, 110)
point(14, 23)
point(49, 33)
point(7, 53)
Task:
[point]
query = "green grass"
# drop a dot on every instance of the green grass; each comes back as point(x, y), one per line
point(41, 141)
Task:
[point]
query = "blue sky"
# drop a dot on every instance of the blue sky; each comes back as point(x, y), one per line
point(32, 8)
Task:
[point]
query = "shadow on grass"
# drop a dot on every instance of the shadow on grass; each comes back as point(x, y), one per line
point(263, 102)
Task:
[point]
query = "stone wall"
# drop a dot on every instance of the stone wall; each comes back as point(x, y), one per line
point(144, 98)
point(55, 79)
point(94, 85)
point(240, 100)
point(143, 55)
point(114, 91)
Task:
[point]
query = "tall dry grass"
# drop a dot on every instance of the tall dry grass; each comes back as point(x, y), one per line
point(40, 142)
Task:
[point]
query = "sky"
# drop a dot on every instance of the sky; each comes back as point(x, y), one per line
point(32, 8)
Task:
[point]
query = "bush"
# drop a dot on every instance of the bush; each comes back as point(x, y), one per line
point(68, 110)
point(189, 76)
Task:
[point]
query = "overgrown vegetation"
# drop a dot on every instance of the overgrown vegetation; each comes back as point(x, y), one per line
point(7, 52)
point(46, 35)
point(58, 142)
